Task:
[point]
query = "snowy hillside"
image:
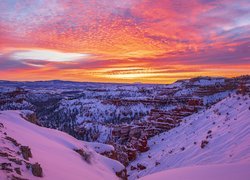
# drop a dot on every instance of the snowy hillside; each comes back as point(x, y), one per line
point(29, 151)
point(219, 135)
point(222, 171)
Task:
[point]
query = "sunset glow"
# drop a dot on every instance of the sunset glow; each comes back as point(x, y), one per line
point(123, 40)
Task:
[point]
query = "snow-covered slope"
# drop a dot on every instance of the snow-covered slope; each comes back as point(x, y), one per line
point(222, 171)
point(60, 155)
point(219, 135)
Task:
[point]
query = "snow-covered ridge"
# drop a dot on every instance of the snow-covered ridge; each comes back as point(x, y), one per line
point(59, 155)
point(219, 135)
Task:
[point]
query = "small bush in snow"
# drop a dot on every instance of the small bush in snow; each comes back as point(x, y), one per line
point(37, 170)
point(204, 143)
point(157, 163)
point(26, 152)
point(86, 156)
point(132, 168)
point(6, 167)
point(16, 161)
point(12, 140)
point(141, 167)
point(18, 171)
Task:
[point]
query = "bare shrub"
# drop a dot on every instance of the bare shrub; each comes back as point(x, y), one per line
point(86, 156)
point(26, 152)
point(204, 143)
point(37, 170)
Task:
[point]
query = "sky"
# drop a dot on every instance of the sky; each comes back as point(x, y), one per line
point(148, 41)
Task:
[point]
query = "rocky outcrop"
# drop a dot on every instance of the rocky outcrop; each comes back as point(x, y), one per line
point(14, 159)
